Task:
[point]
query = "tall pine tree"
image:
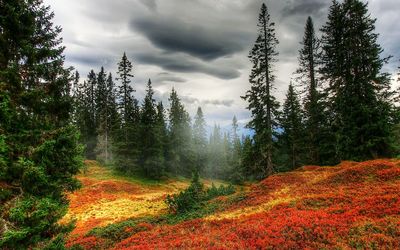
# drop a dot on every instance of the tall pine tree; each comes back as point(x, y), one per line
point(313, 107)
point(292, 138)
point(180, 152)
point(151, 148)
point(126, 143)
point(262, 103)
point(357, 91)
point(39, 149)
point(200, 140)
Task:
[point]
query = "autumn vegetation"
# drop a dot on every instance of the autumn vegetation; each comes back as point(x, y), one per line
point(87, 165)
point(351, 205)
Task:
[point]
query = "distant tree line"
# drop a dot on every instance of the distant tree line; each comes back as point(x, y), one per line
point(340, 105)
point(144, 137)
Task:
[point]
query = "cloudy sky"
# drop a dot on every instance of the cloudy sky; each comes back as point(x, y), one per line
point(200, 47)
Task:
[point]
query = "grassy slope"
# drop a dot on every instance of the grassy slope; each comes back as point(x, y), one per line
point(352, 205)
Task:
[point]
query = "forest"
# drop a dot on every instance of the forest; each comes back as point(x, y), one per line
point(340, 106)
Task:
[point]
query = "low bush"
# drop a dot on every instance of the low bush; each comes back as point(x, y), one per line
point(195, 195)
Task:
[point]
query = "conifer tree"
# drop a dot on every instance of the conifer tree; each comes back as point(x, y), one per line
point(313, 108)
point(358, 91)
point(262, 103)
point(162, 130)
point(151, 151)
point(200, 140)
point(39, 149)
point(108, 118)
point(180, 152)
point(126, 142)
point(237, 175)
point(293, 132)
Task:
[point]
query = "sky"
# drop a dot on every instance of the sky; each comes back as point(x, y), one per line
point(199, 47)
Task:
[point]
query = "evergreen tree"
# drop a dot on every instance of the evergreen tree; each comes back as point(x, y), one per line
point(292, 138)
point(151, 150)
point(180, 152)
point(107, 116)
point(162, 130)
point(200, 140)
point(313, 108)
point(247, 158)
point(262, 103)
point(89, 115)
point(39, 150)
point(126, 142)
point(237, 174)
point(358, 91)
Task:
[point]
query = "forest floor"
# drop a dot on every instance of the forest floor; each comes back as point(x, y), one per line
point(351, 205)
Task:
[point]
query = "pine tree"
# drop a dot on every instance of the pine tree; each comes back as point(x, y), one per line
point(89, 122)
point(39, 150)
point(293, 132)
point(151, 150)
point(107, 116)
point(237, 173)
point(313, 108)
point(200, 140)
point(180, 152)
point(126, 142)
point(162, 130)
point(247, 158)
point(262, 103)
point(358, 91)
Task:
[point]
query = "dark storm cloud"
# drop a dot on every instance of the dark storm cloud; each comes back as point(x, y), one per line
point(174, 35)
point(167, 77)
point(183, 63)
point(305, 7)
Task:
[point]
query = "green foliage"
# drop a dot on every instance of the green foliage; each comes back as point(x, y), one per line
point(151, 159)
point(188, 199)
point(195, 196)
point(262, 103)
point(358, 92)
point(180, 157)
point(39, 150)
point(292, 137)
point(222, 190)
point(119, 231)
point(314, 122)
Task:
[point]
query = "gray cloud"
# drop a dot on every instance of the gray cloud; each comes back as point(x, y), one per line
point(175, 35)
point(305, 7)
point(167, 77)
point(199, 46)
point(182, 63)
point(226, 103)
point(212, 102)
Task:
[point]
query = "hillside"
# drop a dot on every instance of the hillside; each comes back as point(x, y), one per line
point(351, 205)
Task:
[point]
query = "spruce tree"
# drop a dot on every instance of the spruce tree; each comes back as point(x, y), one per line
point(108, 118)
point(126, 142)
point(39, 149)
point(162, 130)
point(292, 138)
point(237, 175)
point(313, 108)
point(89, 116)
point(358, 91)
point(151, 150)
point(180, 152)
point(262, 103)
point(200, 140)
